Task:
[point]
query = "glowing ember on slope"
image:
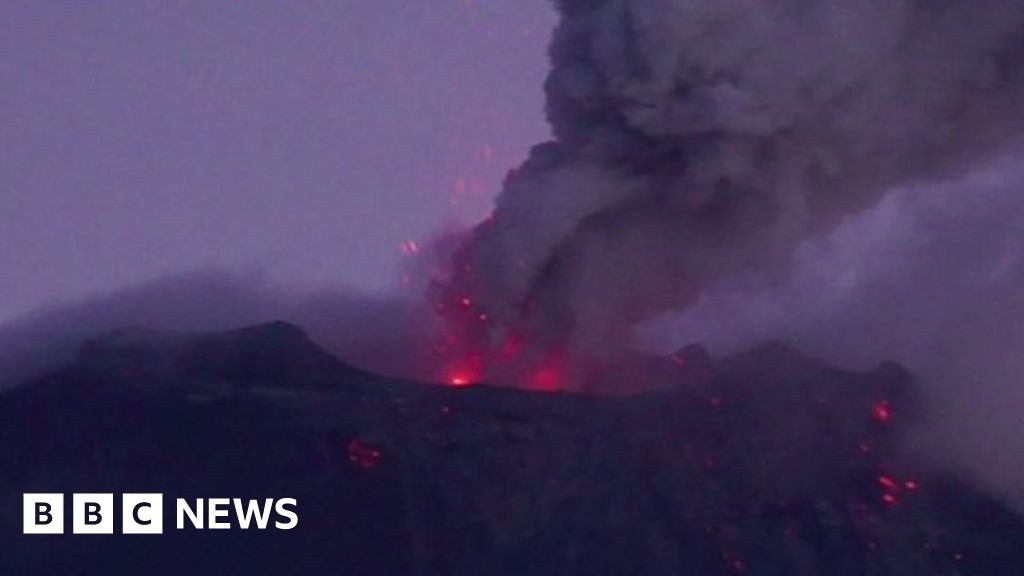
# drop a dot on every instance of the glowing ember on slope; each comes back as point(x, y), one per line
point(363, 456)
point(881, 412)
point(892, 488)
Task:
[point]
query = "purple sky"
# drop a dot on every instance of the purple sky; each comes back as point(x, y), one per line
point(143, 138)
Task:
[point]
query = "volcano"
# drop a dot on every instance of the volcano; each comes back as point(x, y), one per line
point(767, 462)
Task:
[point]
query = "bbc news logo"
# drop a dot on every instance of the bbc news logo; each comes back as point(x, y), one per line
point(143, 513)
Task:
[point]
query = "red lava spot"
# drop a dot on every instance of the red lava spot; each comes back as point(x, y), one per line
point(547, 380)
point(864, 448)
point(881, 412)
point(549, 375)
point(888, 499)
point(887, 483)
point(465, 372)
point(910, 485)
point(482, 317)
point(445, 410)
point(466, 302)
point(363, 456)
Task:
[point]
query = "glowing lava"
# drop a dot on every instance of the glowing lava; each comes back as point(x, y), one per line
point(547, 380)
point(891, 488)
point(465, 371)
point(363, 456)
point(477, 348)
point(881, 412)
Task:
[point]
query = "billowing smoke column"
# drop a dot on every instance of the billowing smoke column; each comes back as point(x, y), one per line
point(699, 142)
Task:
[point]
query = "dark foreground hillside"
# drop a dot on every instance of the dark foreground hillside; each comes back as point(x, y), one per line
point(769, 463)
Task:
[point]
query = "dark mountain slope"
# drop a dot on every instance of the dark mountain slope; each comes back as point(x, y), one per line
point(769, 463)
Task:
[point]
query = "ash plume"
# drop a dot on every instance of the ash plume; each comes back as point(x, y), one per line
point(699, 143)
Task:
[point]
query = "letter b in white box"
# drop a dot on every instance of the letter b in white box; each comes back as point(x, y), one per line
point(92, 514)
point(43, 513)
point(142, 514)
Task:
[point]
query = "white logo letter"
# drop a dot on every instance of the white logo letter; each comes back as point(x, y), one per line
point(282, 511)
point(219, 509)
point(253, 510)
point(43, 513)
point(195, 517)
point(142, 514)
point(92, 514)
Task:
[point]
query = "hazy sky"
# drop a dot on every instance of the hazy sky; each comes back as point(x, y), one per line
point(306, 140)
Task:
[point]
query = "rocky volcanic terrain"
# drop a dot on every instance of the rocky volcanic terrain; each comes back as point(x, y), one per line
point(768, 463)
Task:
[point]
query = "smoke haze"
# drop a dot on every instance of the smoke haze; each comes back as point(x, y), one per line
point(386, 334)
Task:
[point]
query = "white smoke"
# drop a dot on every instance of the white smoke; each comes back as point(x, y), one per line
point(931, 276)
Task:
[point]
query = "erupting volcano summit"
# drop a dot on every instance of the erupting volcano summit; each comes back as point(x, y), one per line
point(699, 142)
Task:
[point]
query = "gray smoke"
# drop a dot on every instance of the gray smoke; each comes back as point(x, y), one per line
point(699, 143)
